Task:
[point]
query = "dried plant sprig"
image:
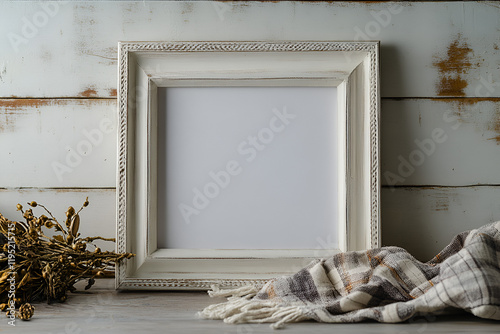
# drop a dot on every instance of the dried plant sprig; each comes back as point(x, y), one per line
point(37, 267)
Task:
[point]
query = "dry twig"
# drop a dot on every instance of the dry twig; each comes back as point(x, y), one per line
point(36, 267)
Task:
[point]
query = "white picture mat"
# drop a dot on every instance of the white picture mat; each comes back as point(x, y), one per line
point(294, 175)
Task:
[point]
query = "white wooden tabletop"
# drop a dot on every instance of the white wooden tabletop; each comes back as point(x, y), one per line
point(104, 310)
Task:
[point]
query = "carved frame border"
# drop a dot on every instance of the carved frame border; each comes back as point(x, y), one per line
point(125, 48)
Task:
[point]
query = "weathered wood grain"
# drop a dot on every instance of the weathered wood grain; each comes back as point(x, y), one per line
point(97, 219)
point(103, 310)
point(424, 220)
point(428, 49)
point(58, 143)
point(440, 142)
point(40, 136)
point(420, 219)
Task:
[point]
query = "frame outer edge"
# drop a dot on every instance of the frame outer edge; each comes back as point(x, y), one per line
point(121, 205)
point(124, 48)
point(375, 146)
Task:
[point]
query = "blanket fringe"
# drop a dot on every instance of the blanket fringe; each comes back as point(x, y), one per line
point(242, 291)
point(240, 308)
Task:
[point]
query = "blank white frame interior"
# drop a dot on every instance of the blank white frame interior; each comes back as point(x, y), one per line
point(284, 78)
point(247, 167)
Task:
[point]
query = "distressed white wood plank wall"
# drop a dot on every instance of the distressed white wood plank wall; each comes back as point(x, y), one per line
point(440, 89)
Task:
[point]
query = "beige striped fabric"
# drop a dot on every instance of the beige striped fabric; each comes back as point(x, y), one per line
point(384, 284)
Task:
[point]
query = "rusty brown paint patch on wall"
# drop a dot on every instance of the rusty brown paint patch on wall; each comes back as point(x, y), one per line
point(441, 205)
point(442, 198)
point(89, 92)
point(17, 104)
point(12, 110)
point(113, 92)
point(461, 103)
point(452, 67)
point(452, 86)
point(481, 112)
point(497, 139)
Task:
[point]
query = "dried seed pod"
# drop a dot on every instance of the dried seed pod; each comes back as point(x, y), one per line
point(74, 226)
point(43, 220)
point(19, 207)
point(70, 212)
point(82, 246)
point(28, 214)
point(33, 204)
point(26, 311)
point(86, 203)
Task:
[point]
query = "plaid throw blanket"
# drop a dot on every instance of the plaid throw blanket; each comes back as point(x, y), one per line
point(385, 284)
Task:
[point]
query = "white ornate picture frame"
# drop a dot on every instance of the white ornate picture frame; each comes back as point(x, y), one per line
point(144, 67)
